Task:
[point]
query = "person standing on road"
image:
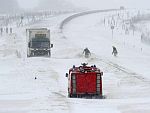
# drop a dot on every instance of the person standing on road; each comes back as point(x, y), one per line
point(86, 52)
point(114, 52)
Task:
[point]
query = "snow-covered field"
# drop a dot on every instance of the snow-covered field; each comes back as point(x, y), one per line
point(126, 80)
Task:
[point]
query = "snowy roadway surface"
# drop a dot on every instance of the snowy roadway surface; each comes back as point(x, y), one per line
point(126, 80)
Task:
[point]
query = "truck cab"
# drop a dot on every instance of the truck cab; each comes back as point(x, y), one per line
point(39, 43)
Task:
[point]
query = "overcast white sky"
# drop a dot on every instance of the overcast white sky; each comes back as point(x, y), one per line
point(28, 3)
point(95, 3)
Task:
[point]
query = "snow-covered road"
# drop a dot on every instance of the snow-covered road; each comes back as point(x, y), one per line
point(20, 92)
point(126, 76)
point(126, 80)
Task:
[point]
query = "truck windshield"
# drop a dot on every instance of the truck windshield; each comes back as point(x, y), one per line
point(40, 43)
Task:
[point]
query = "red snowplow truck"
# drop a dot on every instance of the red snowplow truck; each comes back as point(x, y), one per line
point(85, 82)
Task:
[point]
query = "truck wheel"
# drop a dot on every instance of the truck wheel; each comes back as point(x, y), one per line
point(69, 95)
point(32, 53)
point(49, 53)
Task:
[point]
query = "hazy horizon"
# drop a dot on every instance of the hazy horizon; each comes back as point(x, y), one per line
point(112, 4)
point(93, 4)
point(16, 5)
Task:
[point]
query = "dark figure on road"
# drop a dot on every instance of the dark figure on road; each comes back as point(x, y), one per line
point(115, 52)
point(86, 53)
point(1, 31)
point(10, 30)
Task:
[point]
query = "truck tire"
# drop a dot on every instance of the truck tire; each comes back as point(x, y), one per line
point(49, 53)
point(69, 95)
point(32, 53)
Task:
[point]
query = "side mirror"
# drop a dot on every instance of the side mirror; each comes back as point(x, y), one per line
point(66, 74)
point(51, 45)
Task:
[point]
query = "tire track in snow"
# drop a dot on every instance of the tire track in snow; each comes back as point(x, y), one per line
point(42, 95)
point(48, 81)
point(116, 68)
point(125, 70)
point(119, 80)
